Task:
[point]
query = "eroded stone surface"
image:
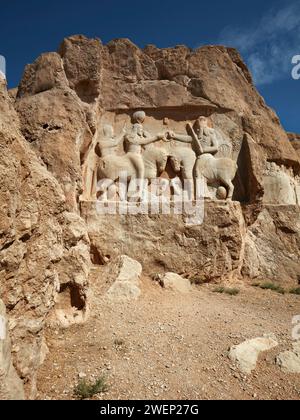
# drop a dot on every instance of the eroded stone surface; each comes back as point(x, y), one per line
point(39, 244)
point(176, 283)
point(289, 361)
point(126, 274)
point(49, 133)
point(245, 355)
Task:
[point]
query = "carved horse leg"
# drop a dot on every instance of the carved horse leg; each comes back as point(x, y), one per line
point(104, 189)
point(200, 183)
point(230, 188)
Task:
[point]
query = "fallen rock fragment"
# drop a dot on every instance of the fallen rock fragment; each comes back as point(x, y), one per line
point(246, 354)
point(289, 361)
point(127, 273)
point(172, 281)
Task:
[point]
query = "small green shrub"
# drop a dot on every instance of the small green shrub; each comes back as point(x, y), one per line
point(272, 286)
point(295, 291)
point(228, 291)
point(84, 389)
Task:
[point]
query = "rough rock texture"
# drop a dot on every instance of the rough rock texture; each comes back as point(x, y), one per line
point(126, 274)
point(176, 283)
point(48, 129)
point(272, 245)
point(245, 355)
point(295, 141)
point(289, 361)
point(164, 243)
point(39, 247)
point(11, 386)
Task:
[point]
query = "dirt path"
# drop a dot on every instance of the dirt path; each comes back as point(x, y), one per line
point(172, 346)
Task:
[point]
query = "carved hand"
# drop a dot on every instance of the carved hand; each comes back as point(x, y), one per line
point(170, 135)
point(161, 136)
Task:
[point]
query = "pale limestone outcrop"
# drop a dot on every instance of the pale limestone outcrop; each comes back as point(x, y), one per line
point(272, 245)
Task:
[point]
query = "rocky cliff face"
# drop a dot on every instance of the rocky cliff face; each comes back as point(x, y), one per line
point(41, 243)
point(295, 141)
point(49, 225)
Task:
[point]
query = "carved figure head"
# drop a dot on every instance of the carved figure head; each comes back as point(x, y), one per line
point(138, 129)
point(139, 117)
point(203, 122)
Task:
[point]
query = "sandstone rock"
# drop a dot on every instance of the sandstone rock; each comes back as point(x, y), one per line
point(11, 386)
point(245, 355)
point(127, 273)
point(289, 361)
point(176, 283)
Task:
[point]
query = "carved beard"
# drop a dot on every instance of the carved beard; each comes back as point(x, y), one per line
point(206, 131)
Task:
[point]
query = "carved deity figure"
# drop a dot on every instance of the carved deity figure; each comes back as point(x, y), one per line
point(205, 144)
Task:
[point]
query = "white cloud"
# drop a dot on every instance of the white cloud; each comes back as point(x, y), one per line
point(268, 45)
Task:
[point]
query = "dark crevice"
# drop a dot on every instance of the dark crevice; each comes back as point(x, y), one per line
point(96, 257)
point(25, 237)
point(74, 295)
point(8, 245)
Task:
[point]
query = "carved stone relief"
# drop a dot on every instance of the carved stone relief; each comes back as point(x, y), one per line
point(146, 149)
point(280, 185)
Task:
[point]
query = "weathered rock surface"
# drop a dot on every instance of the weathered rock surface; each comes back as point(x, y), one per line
point(289, 361)
point(295, 141)
point(11, 386)
point(164, 243)
point(126, 274)
point(246, 355)
point(38, 247)
point(176, 283)
point(48, 133)
point(272, 245)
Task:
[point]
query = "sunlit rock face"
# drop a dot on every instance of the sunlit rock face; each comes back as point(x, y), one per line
point(91, 111)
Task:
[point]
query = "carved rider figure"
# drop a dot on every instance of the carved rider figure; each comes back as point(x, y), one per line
point(138, 138)
point(208, 167)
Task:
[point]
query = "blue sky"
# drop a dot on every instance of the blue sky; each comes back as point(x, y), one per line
point(266, 33)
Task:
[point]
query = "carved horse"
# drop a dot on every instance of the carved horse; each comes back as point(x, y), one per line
point(212, 169)
point(111, 168)
point(183, 162)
